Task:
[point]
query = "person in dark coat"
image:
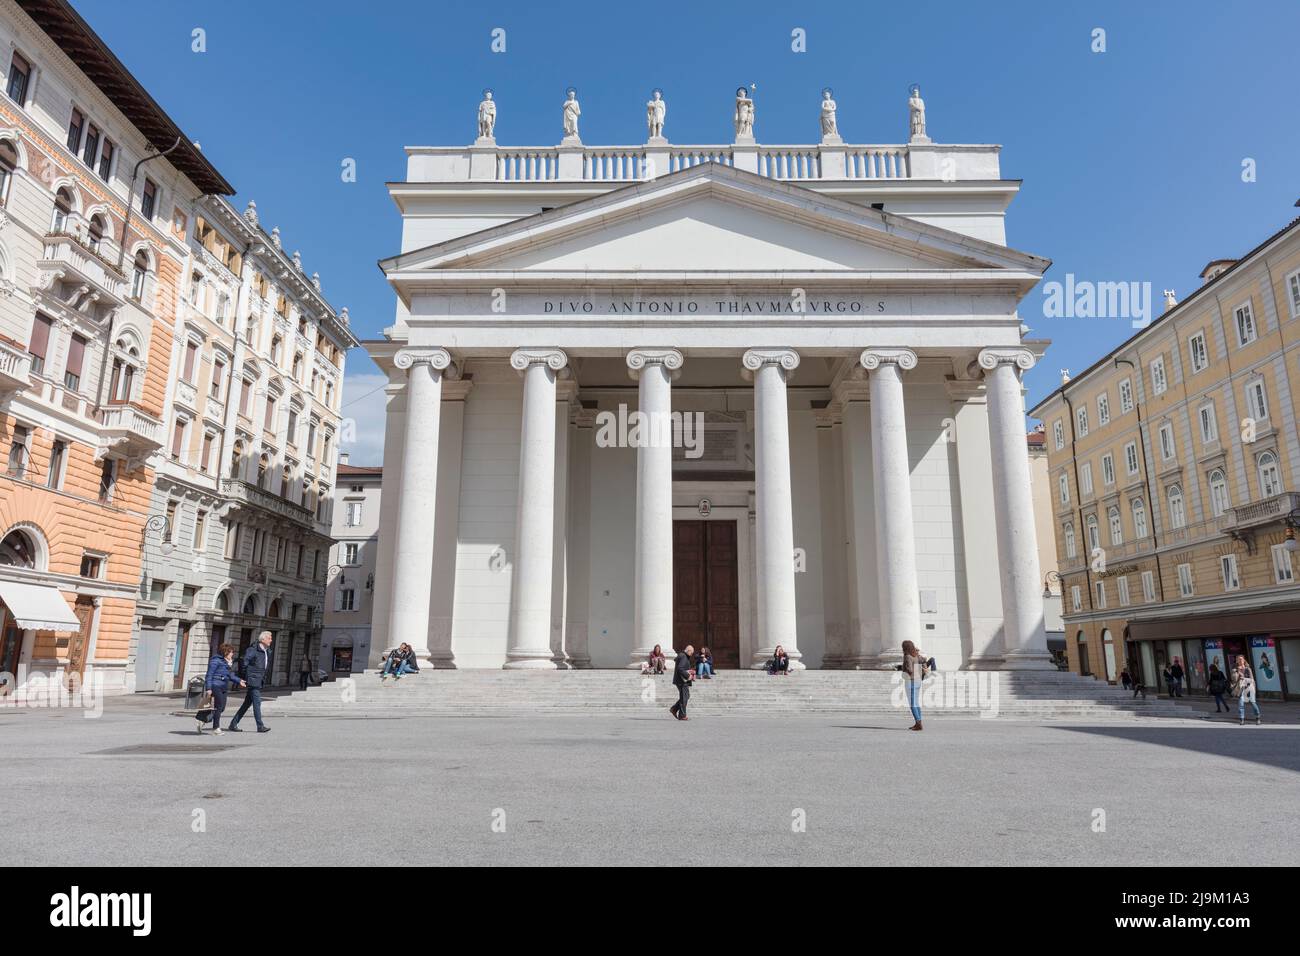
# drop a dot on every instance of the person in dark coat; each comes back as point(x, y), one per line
point(682, 677)
point(1218, 686)
point(1177, 673)
point(257, 665)
point(220, 678)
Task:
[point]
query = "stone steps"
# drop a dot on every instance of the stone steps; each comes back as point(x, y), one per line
point(1046, 695)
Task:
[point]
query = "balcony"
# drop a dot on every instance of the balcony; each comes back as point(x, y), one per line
point(1257, 514)
point(127, 432)
point(66, 259)
point(15, 366)
point(249, 495)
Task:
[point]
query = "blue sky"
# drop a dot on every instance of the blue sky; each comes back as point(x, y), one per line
point(1131, 158)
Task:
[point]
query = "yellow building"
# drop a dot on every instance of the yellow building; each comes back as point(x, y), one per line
point(1175, 463)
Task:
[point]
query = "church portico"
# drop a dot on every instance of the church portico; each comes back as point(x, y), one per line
point(709, 407)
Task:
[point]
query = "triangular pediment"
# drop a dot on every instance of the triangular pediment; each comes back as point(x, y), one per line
point(713, 219)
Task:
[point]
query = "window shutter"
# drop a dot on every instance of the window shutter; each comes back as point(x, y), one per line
point(76, 354)
point(338, 599)
point(40, 336)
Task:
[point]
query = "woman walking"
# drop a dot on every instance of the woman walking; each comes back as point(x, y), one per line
point(1218, 686)
point(220, 678)
point(914, 671)
point(1244, 678)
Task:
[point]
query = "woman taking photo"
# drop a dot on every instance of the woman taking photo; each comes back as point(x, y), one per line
point(914, 670)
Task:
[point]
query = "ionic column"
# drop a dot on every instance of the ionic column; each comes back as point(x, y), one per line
point(578, 553)
point(529, 643)
point(413, 552)
point(1024, 638)
point(654, 370)
point(895, 536)
point(774, 504)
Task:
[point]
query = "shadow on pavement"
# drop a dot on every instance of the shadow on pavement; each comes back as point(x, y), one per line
point(1273, 746)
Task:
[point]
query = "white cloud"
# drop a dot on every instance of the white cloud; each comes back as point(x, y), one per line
point(362, 431)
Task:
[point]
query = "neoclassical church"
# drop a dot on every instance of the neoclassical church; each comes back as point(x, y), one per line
point(727, 395)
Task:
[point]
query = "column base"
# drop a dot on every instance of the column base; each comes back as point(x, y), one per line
point(1027, 661)
point(984, 662)
point(541, 662)
point(441, 661)
point(580, 663)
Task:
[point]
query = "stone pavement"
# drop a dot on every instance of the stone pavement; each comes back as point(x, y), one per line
point(125, 788)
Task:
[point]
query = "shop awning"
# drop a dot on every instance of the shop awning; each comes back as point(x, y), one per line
point(39, 607)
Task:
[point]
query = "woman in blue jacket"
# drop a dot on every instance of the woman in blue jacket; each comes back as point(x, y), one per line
point(220, 678)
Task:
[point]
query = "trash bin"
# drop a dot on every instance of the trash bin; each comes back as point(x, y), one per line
point(193, 693)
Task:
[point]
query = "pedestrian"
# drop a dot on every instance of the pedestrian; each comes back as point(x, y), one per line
point(682, 677)
point(220, 677)
point(1177, 673)
point(1244, 678)
point(257, 665)
point(1168, 676)
point(304, 672)
point(1218, 686)
point(1125, 680)
point(914, 670)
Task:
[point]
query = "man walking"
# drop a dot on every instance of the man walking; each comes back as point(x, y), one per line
point(682, 681)
point(257, 662)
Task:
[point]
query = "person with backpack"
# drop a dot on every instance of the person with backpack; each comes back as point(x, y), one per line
point(256, 666)
point(1218, 686)
point(914, 668)
point(220, 678)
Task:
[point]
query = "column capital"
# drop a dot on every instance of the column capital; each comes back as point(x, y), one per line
point(671, 359)
point(521, 359)
point(872, 359)
point(1022, 358)
point(435, 358)
point(785, 359)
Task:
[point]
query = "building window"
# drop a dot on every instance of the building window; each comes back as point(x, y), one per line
point(1158, 381)
point(107, 480)
point(1257, 399)
point(1103, 409)
point(76, 356)
point(178, 438)
point(1245, 324)
point(18, 452)
point(232, 540)
point(1196, 351)
point(351, 554)
point(106, 160)
point(20, 74)
point(1085, 479)
point(91, 566)
point(354, 514)
point(95, 234)
point(62, 209)
point(1282, 570)
point(1071, 546)
point(1094, 535)
point(268, 422)
point(40, 342)
point(1148, 586)
point(58, 457)
point(1058, 434)
point(75, 127)
point(1209, 423)
point(1293, 290)
point(158, 591)
point(1218, 492)
point(1108, 469)
point(200, 530)
point(1270, 476)
point(1125, 397)
point(1076, 598)
point(1121, 585)
point(347, 599)
point(1185, 587)
point(169, 529)
point(8, 164)
point(1131, 457)
point(1081, 422)
point(1228, 567)
point(148, 199)
point(191, 361)
point(1177, 513)
point(218, 378)
point(1139, 518)
point(139, 271)
point(1116, 526)
point(205, 460)
point(90, 148)
point(1064, 484)
point(1101, 595)
point(1167, 441)
point(291, 435)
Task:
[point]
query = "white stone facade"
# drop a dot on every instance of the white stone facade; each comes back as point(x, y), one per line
point(856, 370)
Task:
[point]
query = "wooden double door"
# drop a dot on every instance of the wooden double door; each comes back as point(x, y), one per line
point(706, 594)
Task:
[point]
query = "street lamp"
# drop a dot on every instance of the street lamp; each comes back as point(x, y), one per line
point(1053, 578)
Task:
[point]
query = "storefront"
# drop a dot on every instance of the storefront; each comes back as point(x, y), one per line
point(1269, 639)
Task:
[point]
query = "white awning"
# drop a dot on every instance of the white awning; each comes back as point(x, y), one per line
point(39, 607)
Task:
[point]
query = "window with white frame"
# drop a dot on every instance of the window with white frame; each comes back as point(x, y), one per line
point(1185, 587)
point(352, 554)
point(1131, 457)
point(1283, 573)
point(1177, 510)
point(1293, 292)
point(1166, 441)
point(1063, 483)
point(1108, 469)
point(354, 513)
point(1218, 492)
point(1058, 434)
point(1085, 478)
point(1148, 586)
point(1071, 545)
point(1228, 568)
point(1101, 595)
point(1103, 409)
point(1116, 526)
point(1245, 324)
point(1139, 509)
point(1196, 352)
point(1159, 383)
point(1209, 423)
point(1270, 476)
point(1121, 585)
point(1257, 399)
point(1125, 397)
point(1094, 534)
point(1081, 421)
point(1076, 598)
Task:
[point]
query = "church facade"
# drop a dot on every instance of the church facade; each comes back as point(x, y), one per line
point(729, 395)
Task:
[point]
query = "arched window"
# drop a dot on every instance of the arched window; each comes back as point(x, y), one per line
point(62, 210)
point(1270, 477)
point(1108, 648)
point(237, 459)
point(1116, 526)
point(1218, 492)
point(1139, 518)
point(263, 466)
point(286, 481)
point(1081, 646)
point(96, 235)
point(18, 550)
point(1094, 536)
point(8, 164)
point(277, 344)
point(222, 603)
point(196, 289)
point(274, 609)
point(1177, 511)
point(250, 332)
point(1071, 545)
point(250, 604)
point(139, 272)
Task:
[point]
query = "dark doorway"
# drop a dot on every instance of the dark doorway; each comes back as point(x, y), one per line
point(706, 600)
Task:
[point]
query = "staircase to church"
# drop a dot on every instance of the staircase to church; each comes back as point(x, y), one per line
point(1024, 695)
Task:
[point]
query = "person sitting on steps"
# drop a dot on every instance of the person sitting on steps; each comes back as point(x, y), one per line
point(401, 661)
point(704, 664)
point(780, 662)
point(656, 663)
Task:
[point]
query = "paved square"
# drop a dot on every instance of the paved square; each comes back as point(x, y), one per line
point(123, 789)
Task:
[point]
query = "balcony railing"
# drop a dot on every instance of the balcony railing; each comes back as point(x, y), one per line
point(1259, 513)
point(129, 431)
point(15, 367)
point(245, 493)
point(65, 253)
